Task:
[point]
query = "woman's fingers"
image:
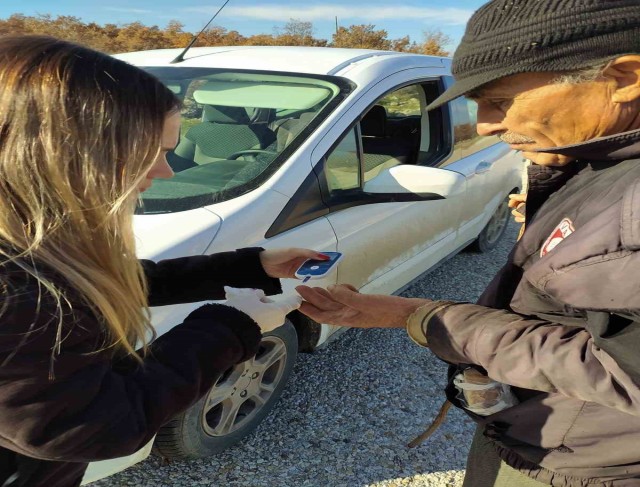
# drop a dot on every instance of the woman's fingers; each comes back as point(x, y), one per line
point(289, 303)
point(307, 254)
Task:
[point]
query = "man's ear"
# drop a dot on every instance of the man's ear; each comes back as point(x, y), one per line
point(625, 71)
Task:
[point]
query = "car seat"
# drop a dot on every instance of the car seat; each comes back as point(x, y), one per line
point(286, 131)
point(290, 128)
point(223, 131)
point(381, 151)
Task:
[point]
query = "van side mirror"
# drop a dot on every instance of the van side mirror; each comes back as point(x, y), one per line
point(416, 183)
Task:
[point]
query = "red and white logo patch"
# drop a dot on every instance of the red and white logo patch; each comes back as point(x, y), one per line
point(562, 231)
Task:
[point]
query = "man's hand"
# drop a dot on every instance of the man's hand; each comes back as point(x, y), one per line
point(343, 305)
point(283, 263)
point(517, 202)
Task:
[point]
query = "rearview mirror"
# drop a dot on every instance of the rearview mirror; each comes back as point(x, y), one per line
point(414, 183)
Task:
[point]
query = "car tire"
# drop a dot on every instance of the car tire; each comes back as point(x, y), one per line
point(494, 230)
point(308, 332)
point(238, 402)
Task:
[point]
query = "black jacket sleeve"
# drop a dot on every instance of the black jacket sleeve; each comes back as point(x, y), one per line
point(90, 410)
point(202, 277)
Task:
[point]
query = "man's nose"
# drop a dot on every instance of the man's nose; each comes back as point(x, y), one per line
point(490, 121)
point(489, 128)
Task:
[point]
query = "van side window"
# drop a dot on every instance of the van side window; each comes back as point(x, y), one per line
point(466, 141)
point(396, 129)
point(391, 130)
point(342, 167)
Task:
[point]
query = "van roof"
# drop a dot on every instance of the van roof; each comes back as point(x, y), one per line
point(309, 60)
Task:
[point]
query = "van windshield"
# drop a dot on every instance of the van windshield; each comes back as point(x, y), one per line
point(237, 128)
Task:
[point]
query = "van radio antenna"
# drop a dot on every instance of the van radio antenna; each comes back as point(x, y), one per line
point(180, 56)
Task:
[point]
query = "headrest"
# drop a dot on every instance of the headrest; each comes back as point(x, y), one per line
point(291, 128)
point(221, 114)
point(374, 123)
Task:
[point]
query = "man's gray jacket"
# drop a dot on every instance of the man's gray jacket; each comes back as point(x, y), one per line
point(561, 323)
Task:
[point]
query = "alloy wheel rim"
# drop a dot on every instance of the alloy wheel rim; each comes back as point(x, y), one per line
point(498, 223)
point(243, 390)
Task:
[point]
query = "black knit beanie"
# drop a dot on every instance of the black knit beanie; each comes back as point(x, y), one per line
point(506, 37)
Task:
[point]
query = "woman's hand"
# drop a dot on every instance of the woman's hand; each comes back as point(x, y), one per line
point(283, 263)
point(268, 313)
point(517, 202)
point(343, 305)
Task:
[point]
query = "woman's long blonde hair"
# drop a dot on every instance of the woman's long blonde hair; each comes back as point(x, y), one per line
point(79, 130)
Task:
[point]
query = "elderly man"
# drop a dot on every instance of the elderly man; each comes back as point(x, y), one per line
point(558, 329)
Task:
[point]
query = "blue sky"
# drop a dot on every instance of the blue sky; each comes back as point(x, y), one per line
point(398, 17)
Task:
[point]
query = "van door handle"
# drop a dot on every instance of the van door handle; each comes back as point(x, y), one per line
point(484, 166)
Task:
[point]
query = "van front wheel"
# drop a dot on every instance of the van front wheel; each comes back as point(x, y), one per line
point(238, 402)
point(492, 233)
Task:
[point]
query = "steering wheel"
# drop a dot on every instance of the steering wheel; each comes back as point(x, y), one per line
point(241, 153)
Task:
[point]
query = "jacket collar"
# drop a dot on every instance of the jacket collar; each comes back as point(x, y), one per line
point(543, 181)
point(625, 145)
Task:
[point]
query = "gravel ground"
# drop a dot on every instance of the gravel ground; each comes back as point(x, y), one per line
point(349, 411)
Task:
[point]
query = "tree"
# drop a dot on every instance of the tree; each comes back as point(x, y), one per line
point(219, 36)
point(233, 38)
point(297, 28)
point(63, 27)
point(136, 36)
point(404, 44)
point(175, 35)
point(361, 36)
point(212, 37)
point(16, 24)
point(297, 33)
point(433, 43)
point(139, 37)
point(260, 40)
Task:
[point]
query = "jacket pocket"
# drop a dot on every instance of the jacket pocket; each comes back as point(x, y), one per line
point(604, 437)
point(535, 427)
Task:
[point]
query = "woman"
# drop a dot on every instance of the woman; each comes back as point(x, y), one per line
point(81, 134)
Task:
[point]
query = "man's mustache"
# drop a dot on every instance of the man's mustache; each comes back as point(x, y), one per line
point(511, 138)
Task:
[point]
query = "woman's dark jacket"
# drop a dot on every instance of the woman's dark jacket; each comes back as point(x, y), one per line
point(82, 406)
